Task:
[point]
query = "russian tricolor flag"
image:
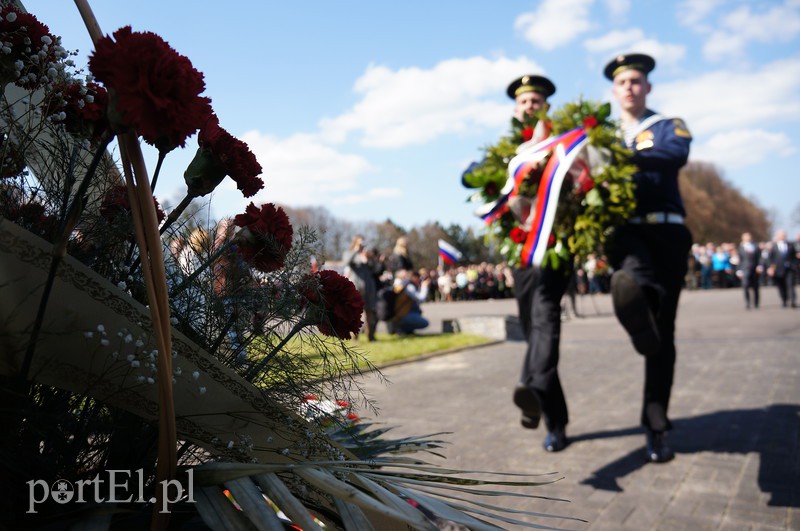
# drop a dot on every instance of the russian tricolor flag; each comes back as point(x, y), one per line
point(448, 253)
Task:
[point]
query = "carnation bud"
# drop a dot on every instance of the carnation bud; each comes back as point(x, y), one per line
point(204, 173)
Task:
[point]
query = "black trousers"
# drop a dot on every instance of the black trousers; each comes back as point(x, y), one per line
point(750, 282)
point(785, 285)
point(538, 293)
point(657, 257)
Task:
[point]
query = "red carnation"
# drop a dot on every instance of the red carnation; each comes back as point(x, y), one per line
point(518, 235)
point(265, 238)
point(30, 43)
point(490, 189)
point(154, 88)
point(527, 133)
point(221, 154)
point(84, 106)
point(551, 241)
point(33, 217)
point(116, 202)
point(338, 303)
point(589, 122)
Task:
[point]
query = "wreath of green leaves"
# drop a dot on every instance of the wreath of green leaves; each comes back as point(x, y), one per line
point(583, 221)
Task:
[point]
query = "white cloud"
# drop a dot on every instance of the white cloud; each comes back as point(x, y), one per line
point(414, 105)
point(616, 42)
point(692, 12)
point(300, 170)
point(555, 22)
point(618, 8)
point(726, 100)
point(370, 195)
point(743, 147)
point(778, 24)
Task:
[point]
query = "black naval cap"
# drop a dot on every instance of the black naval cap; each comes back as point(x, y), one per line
point(531, 83)
point(632, 61)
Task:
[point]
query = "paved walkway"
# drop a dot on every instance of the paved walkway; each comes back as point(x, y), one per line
point(735, 407)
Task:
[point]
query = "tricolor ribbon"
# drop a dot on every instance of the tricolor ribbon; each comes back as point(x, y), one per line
point(534, 154)
point(565, 150)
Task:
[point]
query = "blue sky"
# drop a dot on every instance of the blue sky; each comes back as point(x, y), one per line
point(373, 109)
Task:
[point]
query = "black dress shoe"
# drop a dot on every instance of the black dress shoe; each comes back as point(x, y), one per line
point(657, 449)
point(556, 440)
point(528, 402)
point(634, 313)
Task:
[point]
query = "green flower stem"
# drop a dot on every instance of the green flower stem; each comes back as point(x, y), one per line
point(60, 250)
point(255, 369)
point(196, 273)
point(161, 156)
point(176, 212)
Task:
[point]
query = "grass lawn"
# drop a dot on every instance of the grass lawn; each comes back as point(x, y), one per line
point(393, 348)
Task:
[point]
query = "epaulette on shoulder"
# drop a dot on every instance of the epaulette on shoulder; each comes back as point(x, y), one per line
point(680, 128)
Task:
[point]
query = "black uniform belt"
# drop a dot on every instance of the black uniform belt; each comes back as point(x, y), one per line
point(652, 218)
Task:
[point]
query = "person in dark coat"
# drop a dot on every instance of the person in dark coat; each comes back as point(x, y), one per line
point(783, 268)
point(750, 269)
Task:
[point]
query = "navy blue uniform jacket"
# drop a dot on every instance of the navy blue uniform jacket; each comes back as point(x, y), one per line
point(660, 151)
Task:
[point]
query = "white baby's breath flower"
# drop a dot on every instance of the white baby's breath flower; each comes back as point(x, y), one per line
point(151, 380)
point(101, 329)
point(104, 342)
point(121, 285)
point(88, 334)
point(202, 390)
point(128, 338)
point(139, 343)
point(196, 375)
point(140, 379)
point(177, 371)
point(135, 363)
point(230, 445)
point(130, 357)
point(11, 16)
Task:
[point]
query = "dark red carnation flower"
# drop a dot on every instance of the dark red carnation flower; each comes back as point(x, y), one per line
point(30, 43)
point(33, 217)
point(84, 106)
point(233, 155)
point(518, 235)
point(116, 202)
point(337, 302)
point(491, 189)
point(265, 238)
point(527, 133)
point(154, 88)
point(551, 241)
point(589, 122)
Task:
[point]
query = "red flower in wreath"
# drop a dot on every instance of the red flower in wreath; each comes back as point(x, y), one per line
point(265, 238)
point(337, 302)
point(518, 235)
point(154, 88)
point(221, 154)
point(116, 203)
point(589, 122)
point(527, 133)
point(28, 48)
